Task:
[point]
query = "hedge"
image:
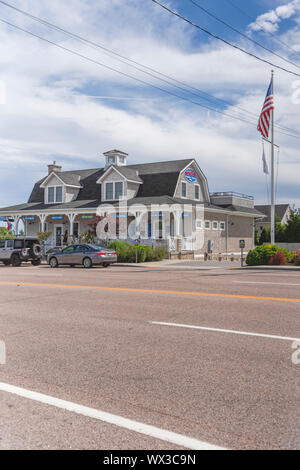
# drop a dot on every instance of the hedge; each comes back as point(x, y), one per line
point(127, 253)
point(261, 255)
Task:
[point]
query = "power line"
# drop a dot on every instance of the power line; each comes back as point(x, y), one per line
point(242, 34)
point(110, 52)
point(254, 20)
point(125, 74)
point(134, 78)
point(224, 40)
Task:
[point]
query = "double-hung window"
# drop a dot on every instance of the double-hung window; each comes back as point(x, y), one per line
point(55, 194)
point(197, 192)
point(109, 196)
point(114, 191)
point(118, 190)
point(183, 189)
point(51, 195)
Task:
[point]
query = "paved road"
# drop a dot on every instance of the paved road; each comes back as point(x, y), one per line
point(114, 344)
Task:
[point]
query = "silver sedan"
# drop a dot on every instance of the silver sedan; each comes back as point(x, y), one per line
point(86, 255)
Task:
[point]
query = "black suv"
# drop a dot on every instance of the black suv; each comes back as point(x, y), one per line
point(14, 251)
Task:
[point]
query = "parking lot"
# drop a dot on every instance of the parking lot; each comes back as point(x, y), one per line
point(149, 357)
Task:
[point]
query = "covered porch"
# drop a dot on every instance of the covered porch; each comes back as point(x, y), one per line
point(173, 230)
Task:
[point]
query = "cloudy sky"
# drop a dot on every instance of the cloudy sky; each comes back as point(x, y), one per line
point(62, 107)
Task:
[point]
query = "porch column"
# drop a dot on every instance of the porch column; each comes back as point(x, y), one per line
point(71, 217)
point(178, 224)
point(16, 222)
point(42, 218)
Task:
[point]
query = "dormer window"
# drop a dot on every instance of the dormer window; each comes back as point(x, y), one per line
point(109, 194)
point(114, 191)
point(55, 194)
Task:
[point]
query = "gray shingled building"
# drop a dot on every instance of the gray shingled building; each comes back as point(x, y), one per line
point(68, 202)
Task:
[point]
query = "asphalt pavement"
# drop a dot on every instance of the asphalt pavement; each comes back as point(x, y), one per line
point(151, 357)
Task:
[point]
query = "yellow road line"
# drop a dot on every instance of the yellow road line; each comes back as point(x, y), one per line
point(150, 291)
point(151, 265)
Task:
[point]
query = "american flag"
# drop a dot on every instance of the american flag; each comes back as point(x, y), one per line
point(265, 115)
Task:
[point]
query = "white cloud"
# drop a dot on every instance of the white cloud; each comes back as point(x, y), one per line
point(270, 21)
point(50, 114)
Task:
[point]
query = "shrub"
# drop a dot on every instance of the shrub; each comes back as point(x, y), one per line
point(142, 254)
point(123, 251)
point(4, 233)
point(87, 237)
point(127, 253)
point(160, 253)
point(262, 254)
point(278, 259)
point(43, 236)
point(297, 259)
point(149, 253)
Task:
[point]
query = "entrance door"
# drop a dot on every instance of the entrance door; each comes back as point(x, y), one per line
point(58, 232)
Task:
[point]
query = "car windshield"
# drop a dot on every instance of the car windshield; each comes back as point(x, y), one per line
point(69, 249)
point(96, 247)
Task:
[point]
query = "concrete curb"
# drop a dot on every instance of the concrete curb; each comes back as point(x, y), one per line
point(272, 268)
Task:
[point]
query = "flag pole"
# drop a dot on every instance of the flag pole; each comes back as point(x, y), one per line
point(272, 173)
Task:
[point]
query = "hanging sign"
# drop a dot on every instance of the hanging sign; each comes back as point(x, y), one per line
point(87, 217)
point(57, 217)
point(29, 218)
point(190, 175)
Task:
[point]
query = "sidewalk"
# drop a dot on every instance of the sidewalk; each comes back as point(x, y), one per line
point(186, 264)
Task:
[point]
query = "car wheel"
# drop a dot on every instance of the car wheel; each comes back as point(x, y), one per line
point(15, 261)
point(53, 263)
point(36, 262)
point(36, 250)
point(87, 263)
point(6, 263)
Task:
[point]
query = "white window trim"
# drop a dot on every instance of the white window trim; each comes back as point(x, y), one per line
point(184, 197)
point(114, 190)
point(215, 222)
point(198, 185)
point(205, 222)
point(224, 223)
point(55, 201)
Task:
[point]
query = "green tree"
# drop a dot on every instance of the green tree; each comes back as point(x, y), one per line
point(265, 236)
point(256, 238)
point(292, 229)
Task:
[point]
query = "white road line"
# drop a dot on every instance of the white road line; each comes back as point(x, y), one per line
point(246, 333)
point(265, 282)
point(152, 431)
point(278, 274)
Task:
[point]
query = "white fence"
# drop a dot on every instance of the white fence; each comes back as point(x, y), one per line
point(289, 246)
